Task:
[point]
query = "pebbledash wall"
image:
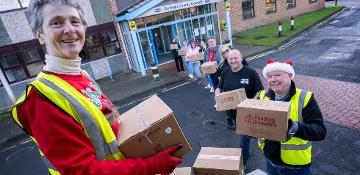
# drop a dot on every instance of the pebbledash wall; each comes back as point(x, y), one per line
point(22, 57)
point(284, 9)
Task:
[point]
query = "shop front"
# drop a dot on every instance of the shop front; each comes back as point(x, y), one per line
point(149, 28)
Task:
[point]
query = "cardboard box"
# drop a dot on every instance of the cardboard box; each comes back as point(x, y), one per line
point(263, 119)
point(218, 161)
point(230, 100)
point(182, 171)
point(174, 46)
point(196, 57)
point(182, 52)
point(148, 128)
point(209, 67)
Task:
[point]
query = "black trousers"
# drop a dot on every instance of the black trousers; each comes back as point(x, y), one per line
point(179, 64)
point(231, 116)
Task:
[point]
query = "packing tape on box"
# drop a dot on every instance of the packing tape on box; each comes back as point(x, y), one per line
point(218, 157)
point(142, 124)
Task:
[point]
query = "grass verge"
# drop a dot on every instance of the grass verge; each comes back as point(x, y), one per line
point(267, 35)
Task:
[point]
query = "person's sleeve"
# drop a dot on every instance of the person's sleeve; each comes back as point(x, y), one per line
point(221, 81)
point(258, 86)
point(65, 144)
point(313, 128)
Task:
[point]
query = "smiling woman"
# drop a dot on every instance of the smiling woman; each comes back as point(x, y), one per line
point(65, 112)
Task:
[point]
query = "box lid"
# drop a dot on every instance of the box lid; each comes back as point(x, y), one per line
point(142, 117)
point(265, 105)
point(219, 158)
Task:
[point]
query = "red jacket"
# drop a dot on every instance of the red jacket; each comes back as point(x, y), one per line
point(63, 140)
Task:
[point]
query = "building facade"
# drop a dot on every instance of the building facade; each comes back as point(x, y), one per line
point(125, 35)
point(22, 56)
point(148, 26)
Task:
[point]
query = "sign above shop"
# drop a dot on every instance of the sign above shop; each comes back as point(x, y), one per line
point(177, 6)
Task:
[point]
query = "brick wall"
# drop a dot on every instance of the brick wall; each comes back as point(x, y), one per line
point(261, 18)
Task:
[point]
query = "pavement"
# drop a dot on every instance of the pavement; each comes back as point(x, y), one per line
point(128, 86)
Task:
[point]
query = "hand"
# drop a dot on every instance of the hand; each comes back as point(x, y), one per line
point(164, 162)
point(293, 127)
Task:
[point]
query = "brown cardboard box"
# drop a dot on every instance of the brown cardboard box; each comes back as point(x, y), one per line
point(182, 52)
point(182, 171)
point(218, 161)
point(196, 57)
point(148, 128)
point(230, 100)
point(209, 67)
point(174, 46)
point(263, 119)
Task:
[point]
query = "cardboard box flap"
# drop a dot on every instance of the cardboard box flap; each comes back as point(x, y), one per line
point(265, 105)
point(218, 158)
point(142, 116)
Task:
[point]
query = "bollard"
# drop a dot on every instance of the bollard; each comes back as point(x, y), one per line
point(292, 22)
point(155, 72)
point(280, 28)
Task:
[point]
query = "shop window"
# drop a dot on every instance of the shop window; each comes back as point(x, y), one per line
point(101, 41)
point(248, 9)
point(291, 4)
point(312, 1)
point(270, 6)
point(8, 61)
point(22, 60)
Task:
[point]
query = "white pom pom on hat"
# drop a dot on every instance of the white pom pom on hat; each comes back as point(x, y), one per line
point(279, 66)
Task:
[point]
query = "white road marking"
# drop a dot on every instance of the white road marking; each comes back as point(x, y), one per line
point(11, 147)
point(142, 99)
point(25, 141)
point(291, 42)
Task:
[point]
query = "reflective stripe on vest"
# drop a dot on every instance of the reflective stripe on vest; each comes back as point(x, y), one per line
point(295, 151)
point(81, 109)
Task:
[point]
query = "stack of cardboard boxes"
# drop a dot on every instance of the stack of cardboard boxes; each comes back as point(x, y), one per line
point(144, 131)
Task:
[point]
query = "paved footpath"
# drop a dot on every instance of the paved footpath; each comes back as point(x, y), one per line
point(339, 101)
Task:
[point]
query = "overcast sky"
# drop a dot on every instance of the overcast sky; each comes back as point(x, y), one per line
point(12, 4)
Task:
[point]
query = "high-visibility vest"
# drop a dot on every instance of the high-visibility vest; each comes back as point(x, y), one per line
point(295, 151)
point(82, 110)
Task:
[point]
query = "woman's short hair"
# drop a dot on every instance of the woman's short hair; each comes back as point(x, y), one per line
point(36, 16)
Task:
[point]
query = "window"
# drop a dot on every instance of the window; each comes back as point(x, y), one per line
point(101, 41)
point(312, 1)
point(22, 60)
point(270, 6)
point(248, 9)
point(291, 4)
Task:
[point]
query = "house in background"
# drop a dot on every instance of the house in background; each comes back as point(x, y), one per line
point(125, 35)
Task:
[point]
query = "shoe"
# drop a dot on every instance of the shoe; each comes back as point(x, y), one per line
point(211, 89)
point(231, 127)
point(208, 86)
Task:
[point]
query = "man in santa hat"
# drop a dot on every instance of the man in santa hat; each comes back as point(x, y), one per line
point(305, 123)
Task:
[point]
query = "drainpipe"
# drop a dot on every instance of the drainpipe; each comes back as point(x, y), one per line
point(7, 87)
point(228, 22)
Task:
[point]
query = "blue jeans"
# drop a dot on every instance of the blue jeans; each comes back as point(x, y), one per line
point(209, 81)
point(273, 169)
point(194, 68)
point(245, 146)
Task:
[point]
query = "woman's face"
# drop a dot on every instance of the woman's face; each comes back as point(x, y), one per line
point(193, 44)
point(63, 32)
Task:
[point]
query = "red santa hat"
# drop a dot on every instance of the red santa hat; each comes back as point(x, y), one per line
point(279, 66)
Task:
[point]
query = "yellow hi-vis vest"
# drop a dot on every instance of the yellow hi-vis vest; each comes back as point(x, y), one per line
point(295, 151)
point(82, 110)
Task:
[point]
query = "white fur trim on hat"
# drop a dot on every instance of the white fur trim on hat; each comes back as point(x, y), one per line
point(278, 66)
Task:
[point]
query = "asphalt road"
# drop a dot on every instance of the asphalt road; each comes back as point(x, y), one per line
point(332, 51)
point(203, 126)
